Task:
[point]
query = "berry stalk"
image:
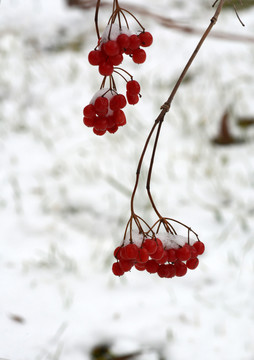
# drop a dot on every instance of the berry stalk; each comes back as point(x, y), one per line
point(164, 109)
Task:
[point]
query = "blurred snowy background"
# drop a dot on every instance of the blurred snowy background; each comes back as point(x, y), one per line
point(65, 193)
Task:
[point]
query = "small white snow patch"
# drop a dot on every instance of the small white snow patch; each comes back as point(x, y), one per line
point(137, 238)
point(169, 241)
point(107, 93)
point(114, 32)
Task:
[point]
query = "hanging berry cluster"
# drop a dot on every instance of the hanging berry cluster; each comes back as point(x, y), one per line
point(105, 111)
point(172, 257)
point(146, 247)
point(163, 253)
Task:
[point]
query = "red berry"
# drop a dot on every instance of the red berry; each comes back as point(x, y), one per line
point(88, 121)
point(120, 118)
point(131, 251)
point(171, 271)
point(162, 271)
point(100, 123)
point(159, 252)
point(101, 105)
point(200, 247)
point(134, 42)
point(123, 253)
point(171, 255)
point(181, 268)
point(106, 69)
point(111, 48)
point(143, 255)
point(123, 41)
point(159, 243)
point(111, 121)
point(193, 251)
point(125, 265)
point(140, 267)
point(117, 102)
point(132, 99)
point(117, 252)
point(96, 57)
point(183, 253)
point(113, 129)
point(116, 60)
point(139, 56)
point(117, 270)
point(99, 132)
point(164, 258)
point(152, 266)
point(146, 39)
point(192, 263)
point(150, 245)
point(133, 87)
point(89, 111)
point(122, 101)
point(128, 51)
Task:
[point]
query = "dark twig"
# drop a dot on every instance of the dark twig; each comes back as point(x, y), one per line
point(166, 106)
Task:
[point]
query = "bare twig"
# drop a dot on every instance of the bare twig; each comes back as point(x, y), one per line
point(166, 106)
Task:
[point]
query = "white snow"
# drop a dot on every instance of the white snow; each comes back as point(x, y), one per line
point(169, 241)
point(112, 31)
point(108, 94)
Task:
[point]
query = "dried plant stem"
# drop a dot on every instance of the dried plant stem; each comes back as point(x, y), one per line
point(164, 109)
point(96, 18)
point(140, 165)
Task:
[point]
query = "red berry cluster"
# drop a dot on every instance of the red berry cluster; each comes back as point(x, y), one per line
point(104, 113)
point(153, 257)
point(112, 47)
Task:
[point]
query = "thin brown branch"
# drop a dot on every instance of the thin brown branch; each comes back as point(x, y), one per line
point(166, 106)
point(237, 15)
point(140, 165)
point(96, 18)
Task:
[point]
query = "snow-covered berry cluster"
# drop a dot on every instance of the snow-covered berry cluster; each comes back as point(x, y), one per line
point(168, 256)
point(104, 112)
point(116, 42)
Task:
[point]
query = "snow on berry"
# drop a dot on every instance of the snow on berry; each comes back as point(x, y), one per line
point(167, 255)
point(104, 113)
point(114, 42)
point(112, 31)
point(110, 49)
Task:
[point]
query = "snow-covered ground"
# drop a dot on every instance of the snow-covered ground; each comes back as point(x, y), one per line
point(65, 193)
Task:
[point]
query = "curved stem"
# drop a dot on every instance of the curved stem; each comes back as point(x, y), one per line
point(134, 17)
point(200, 43)
point(187, 227)
point(140, 165)
point(126, 72)
point(118, 73)
point(96, 18)
point(166, 106)
point(125, 19)
point(150, 229)
point(151, 168)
